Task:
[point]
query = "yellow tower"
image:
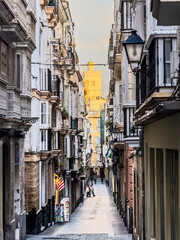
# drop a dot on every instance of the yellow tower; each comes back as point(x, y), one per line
point(94, 102)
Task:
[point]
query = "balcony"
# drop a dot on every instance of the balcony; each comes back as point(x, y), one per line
point(74, 123)
point(117, 67)
point(56, 86)
point(80, 125)
point(65, 126)
point(20, 12)
point(166, 12)
point(6, 13)
point(155, 81)
point(43, 3)
point(54, 21)
point(130, 131)
point(51, 10)
point(13, 21)
point(62, 13)
point(31, 20)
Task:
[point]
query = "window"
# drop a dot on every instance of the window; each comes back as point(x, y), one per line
point(3, 59)
point(98, 125)
point(43, 80)
point(54, 113)
point(152, 65)
point(55, 140)
point(128, 120)
point(126, 15)
point(143, 84)
point(98, 141)
point(44, 140)
point(43, 113)
point(167, 51)
point(111, 101)
point(18, 70)
point(93, 83)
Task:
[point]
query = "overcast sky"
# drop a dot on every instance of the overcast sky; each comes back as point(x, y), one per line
point(93, 20)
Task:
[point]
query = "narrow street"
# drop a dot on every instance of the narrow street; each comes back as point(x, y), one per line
point(96, 218)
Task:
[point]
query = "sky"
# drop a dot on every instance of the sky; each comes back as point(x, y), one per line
point(93, 21)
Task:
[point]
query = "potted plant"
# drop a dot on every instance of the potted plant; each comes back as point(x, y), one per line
point(64, 113)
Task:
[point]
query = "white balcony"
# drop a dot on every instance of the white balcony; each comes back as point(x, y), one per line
point(166, 12)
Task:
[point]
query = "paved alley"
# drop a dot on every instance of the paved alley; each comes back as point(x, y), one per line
point(96, 218)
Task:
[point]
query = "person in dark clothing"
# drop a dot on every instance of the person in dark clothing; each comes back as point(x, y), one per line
point(91, 179)
point(88, 191)
point(95, 177)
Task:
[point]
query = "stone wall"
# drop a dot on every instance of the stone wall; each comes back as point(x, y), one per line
point(31, 184)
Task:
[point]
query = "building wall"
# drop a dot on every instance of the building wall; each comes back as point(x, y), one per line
point(92, 82)
point(162, 167)
point(32, 182)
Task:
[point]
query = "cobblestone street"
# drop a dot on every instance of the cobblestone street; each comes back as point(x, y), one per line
point(95, 219)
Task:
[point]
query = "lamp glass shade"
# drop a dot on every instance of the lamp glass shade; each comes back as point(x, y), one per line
point(134, 48)
point(134, 52)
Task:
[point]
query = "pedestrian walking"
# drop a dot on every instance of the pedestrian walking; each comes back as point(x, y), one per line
point(91, 178)
point(92, 190)
point(88, 191)
point(95, 177)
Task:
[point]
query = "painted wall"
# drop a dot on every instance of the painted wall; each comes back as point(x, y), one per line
point(161, 136)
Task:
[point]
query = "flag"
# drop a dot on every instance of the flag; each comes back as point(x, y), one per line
point(109, 153)
point(60, 185)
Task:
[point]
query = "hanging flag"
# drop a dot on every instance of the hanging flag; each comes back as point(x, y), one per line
point(109, 153)
point(60, 185)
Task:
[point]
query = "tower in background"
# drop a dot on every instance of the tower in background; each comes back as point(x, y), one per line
point(95, 103)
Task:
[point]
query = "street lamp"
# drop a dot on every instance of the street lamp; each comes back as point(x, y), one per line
point(115, 133)
point(134, 48)
point(79, 153)
point(112, 144)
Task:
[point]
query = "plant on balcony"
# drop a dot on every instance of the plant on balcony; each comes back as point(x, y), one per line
point(81, 170)
point(64, 113)
point(72, 166)
point(108, 122)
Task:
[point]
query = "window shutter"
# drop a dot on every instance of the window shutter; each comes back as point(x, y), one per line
point(58, 86)
point(49, 80)
point(58, 140)
point(49, 139)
